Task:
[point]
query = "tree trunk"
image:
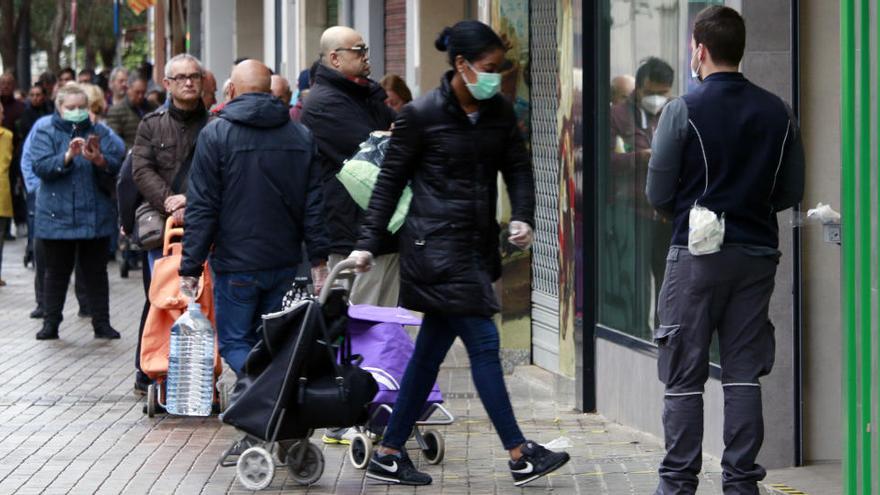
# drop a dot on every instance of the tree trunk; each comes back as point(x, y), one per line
point(56, 36)
point(8, 36)
point(91, 57)
point(108, 55)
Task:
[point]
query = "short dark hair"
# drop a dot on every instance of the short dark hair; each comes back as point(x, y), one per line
point(723, 32)
point(67, 70)
point(654, 69)
point(40, 87)
point(470, 39)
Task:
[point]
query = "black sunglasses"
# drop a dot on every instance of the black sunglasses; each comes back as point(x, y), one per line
point(359, 50)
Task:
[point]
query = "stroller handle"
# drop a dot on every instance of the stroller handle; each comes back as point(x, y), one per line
point(334, 274)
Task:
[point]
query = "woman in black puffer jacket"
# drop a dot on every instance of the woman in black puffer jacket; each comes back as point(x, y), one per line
point(451, 143)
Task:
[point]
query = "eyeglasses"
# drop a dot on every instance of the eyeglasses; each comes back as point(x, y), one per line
point(182, 78)
point(360, 51)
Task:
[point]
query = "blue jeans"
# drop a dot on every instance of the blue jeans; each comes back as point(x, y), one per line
point(480, 337)
point(240, 299)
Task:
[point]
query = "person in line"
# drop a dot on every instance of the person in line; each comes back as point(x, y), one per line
point(6, 151)
point(124, 117)
point(162, 156)
point(13, 109)
point(32, 185)
point(118, 85)
point(451, 143)
point(344, 106)
point(74, 216)
point(734, 149)
point(36, 107)
point(281, 89)
point(251, 158)
point(66, 76)
point(49, 82)
point(209, 90)
point(397, 90)
point(86, 76)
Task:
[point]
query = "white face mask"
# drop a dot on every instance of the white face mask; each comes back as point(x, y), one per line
point(654, 103)
point(695, 71)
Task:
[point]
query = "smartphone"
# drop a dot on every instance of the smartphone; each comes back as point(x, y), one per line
point(93, 142)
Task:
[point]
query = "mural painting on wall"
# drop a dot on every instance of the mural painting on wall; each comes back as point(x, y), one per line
point(510, 19)
point(569, 147)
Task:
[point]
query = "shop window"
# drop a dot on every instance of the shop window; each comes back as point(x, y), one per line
point(649, 62)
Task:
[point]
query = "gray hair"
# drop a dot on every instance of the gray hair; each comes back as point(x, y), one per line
point(118, 70)
point(69, 89)
point(136, 76)
point(179, 58)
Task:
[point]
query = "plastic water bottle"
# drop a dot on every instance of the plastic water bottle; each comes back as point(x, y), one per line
point(189, 385)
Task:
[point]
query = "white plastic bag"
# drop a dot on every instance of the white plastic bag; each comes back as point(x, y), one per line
point(705, 231)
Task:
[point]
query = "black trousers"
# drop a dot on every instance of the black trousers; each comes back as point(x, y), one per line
point(60, 257)
point(79, 285)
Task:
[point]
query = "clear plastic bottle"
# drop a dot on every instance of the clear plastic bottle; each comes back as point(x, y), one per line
point(189, 385)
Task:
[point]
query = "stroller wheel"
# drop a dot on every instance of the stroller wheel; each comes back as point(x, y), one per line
point(152, 399)
point(360, 450)
point(305, 467)
point(255, 468)
point(436, 447)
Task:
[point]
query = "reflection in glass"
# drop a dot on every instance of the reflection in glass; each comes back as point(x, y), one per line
point(648, 62)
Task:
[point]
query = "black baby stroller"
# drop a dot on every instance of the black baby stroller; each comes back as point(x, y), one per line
point(292, 384)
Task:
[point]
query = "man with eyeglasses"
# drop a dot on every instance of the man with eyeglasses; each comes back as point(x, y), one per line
point(164, 146)
point(343, 107)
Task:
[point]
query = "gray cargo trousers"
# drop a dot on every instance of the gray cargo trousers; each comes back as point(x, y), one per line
point(729, 292)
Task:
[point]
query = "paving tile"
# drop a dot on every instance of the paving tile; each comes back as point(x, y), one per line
point(69, 423)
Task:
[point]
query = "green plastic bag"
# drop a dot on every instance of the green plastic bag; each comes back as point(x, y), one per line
point(359, 175)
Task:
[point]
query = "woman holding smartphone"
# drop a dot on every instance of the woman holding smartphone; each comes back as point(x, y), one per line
point(76, 161)
point(450, 144)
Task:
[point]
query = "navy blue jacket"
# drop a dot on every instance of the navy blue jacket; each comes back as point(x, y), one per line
point(254, 191)
point(735, 149)
point(70, 203)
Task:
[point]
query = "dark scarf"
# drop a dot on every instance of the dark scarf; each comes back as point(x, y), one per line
point(188, 116)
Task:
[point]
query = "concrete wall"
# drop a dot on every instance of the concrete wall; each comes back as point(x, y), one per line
point(249, 29)
point(432, 17)
point(218, 47)
point(369, 20)
point(820, 126)
point(767, 62)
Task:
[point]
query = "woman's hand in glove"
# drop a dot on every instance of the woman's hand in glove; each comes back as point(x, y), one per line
point(521, 234)
point(363, 260)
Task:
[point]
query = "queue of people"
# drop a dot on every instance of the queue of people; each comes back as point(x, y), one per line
point(252, 179)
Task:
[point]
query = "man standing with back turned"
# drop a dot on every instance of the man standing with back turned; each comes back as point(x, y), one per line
point(254, 194)
point(731, 149)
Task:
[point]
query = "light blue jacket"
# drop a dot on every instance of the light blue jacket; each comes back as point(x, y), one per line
point(70, 205)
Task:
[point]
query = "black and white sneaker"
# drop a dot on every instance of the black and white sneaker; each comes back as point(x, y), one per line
point(391, 468)
point(536, 461)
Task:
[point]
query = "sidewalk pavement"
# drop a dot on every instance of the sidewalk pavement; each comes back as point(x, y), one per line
point(69, 422)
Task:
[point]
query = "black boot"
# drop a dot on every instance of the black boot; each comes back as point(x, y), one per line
point(48, 332)
point(105, 331)
point(38, 313)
